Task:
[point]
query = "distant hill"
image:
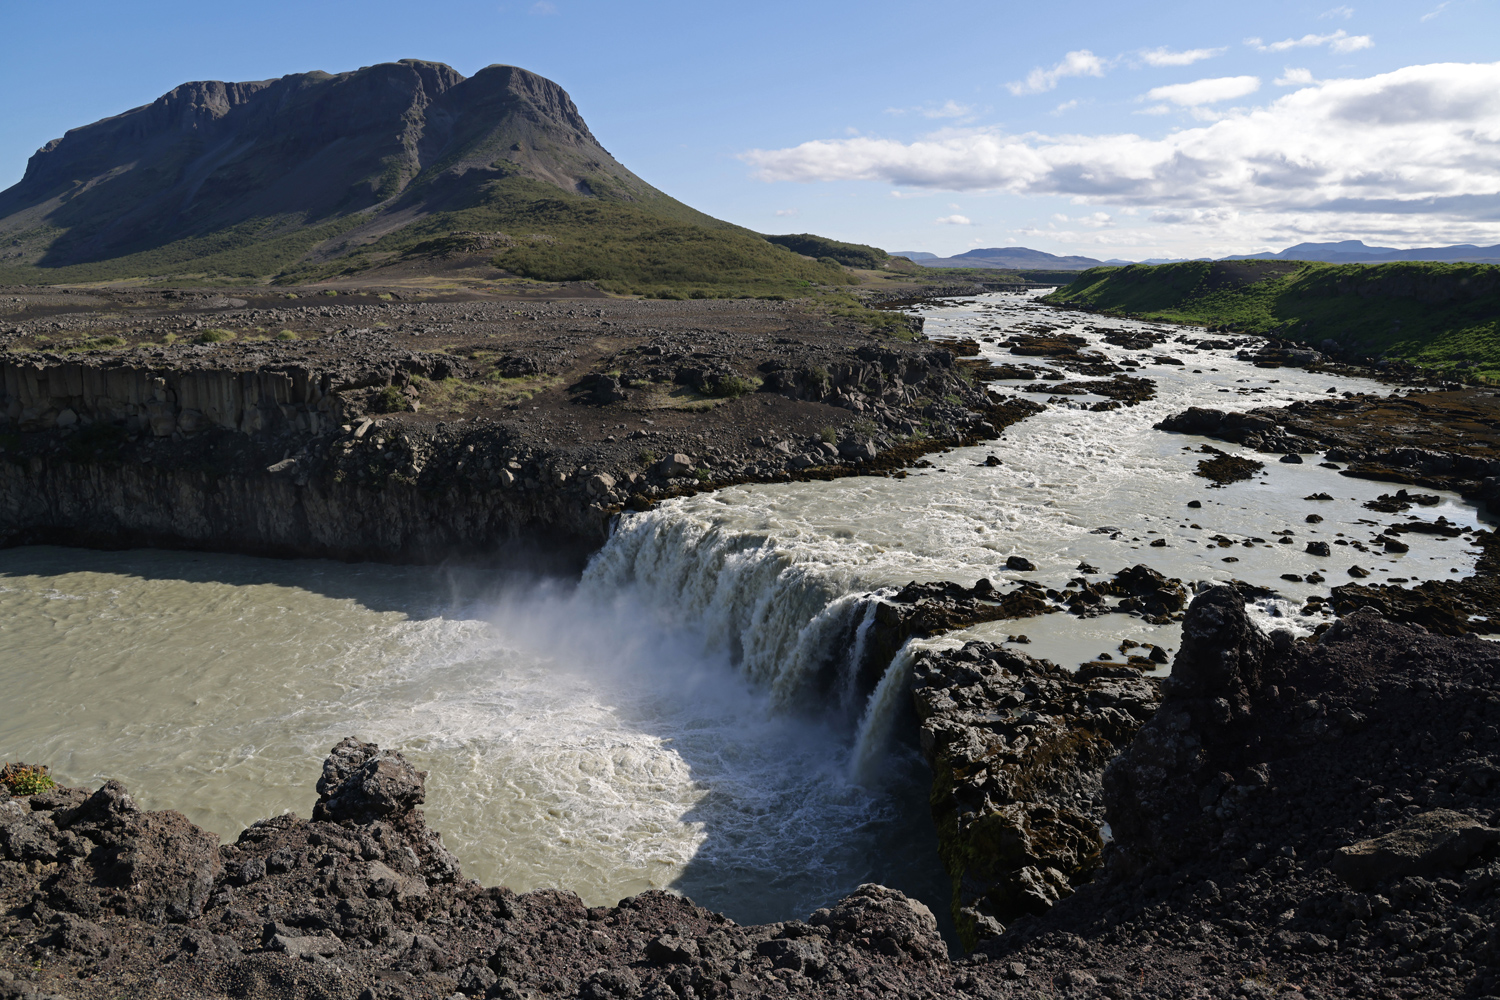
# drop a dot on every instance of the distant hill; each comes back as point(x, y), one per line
point(1355, 252)
point(1010, 258)
point(915, 255)
point(847, 254)
point(318, 173)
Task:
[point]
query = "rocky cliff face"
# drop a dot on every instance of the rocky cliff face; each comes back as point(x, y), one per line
point(1018, 747)
point(259, 159)
point(448, 428)
point(1313, 815)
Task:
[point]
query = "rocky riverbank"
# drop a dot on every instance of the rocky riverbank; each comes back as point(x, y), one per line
point(450, 425)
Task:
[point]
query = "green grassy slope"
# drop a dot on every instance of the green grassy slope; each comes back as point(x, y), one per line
point(626, 248)
point(1444, 316)
point(642, 247)
point(242, 254)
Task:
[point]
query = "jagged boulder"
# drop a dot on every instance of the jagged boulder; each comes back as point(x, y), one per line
point(1152, 790)
point(362, 783)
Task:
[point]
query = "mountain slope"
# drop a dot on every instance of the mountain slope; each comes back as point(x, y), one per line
point(251, 180)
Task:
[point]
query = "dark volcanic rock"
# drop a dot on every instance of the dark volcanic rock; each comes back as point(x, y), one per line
point(1207, 707)
point(363, 783)
point(1274, 773)
point(1017, 747)
point(363, 902)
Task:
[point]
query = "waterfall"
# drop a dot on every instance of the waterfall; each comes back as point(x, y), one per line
point(849, 681)
point(781, 621)
point(884, 705)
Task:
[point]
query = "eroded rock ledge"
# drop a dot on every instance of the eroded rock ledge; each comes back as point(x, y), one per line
point(451, 428)
point(364, 901)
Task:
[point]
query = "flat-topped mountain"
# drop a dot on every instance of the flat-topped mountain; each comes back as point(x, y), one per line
point(255, 179)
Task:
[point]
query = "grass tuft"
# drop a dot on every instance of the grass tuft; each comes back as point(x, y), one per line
point(26, 779)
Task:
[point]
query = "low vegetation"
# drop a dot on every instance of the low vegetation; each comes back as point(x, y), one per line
point(545, 234)
point(1439, 315)
point(249, 251)
point(26, 779)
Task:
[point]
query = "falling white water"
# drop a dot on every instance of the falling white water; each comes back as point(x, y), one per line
point(886, 704)
point(849, 679)
point(779, 620)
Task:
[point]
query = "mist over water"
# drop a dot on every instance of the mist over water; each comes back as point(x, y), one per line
point(684, 715)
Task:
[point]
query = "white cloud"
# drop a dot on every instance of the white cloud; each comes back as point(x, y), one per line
point(1295, 78)
point(1209, 91)
point(1338, 41)
point(1065, 106)
point(954, 220)
point(1435, 11)
point(784, 212)
point(948, 109)
point(1166, 57)
point(1410, 150)
point(1344, 12)
point(1080, 63)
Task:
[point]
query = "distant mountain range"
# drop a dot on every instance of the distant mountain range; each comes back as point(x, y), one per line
point(1020, 258)
point(1355, 252)
point(1344, 252)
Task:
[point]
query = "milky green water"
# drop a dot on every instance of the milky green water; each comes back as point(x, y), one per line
point(588, 744)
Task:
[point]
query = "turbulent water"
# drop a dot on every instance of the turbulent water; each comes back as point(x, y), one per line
point(652, 725)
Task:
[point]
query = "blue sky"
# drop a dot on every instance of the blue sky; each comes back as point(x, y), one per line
point(1107, 129)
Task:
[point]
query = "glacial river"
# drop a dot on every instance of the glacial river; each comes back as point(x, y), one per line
point(646, 726)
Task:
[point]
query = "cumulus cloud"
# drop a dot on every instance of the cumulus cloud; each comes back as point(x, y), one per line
point(1080, 63)
point(1209, 91)
point(954, 220)
point(1295, 78)
point(1338, 41)
point(1344, 12)
point(1417, 143)
point(1065, 106)
point(1166, 57)
point(784, 212)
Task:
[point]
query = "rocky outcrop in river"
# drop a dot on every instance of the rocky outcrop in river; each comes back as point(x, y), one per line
point(1316, 816)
